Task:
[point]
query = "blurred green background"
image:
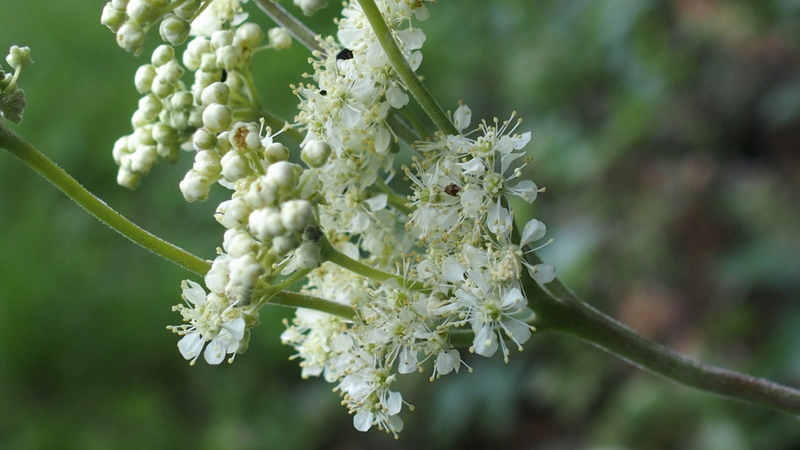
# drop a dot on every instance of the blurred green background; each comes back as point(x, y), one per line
point(666, 132)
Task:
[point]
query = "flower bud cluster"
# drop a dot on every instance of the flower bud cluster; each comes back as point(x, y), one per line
point(169, 113)
point(266, 218)
point(12, 98)
point(130, 20)
point(166, 115)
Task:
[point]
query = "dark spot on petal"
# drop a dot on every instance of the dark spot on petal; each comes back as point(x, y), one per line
point(345, 54)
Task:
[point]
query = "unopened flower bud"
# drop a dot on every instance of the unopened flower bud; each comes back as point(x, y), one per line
point(130, 37)
point(222, 38)
point(284, 174)
point(244, 136)
point(202, 139)
point(207, 163)
point(112, 17)
point(187, 10)
point(250, 34)
point(143, 159)
point(150, 106)
point(171, 71)
point(174, 30)
point(162, 87)
point(310, 7)
point(162, 55)
point(164, 134)
point(234, 167)
point(227, 57)
point(194, 186)
point(128, 179)
point(238, 243)
point(296, 214)
point(217, 118)
point(143, 80)
point(142, 11)
point(279, 38)
point(215, 93)
point(315, 153)
point(181, 100)
point(244, 271)
point(276, 152)
point(265, 224)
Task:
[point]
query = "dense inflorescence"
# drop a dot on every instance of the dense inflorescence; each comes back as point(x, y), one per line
point(414, 270)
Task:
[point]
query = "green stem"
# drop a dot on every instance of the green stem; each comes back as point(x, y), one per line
point(402, 130)
point(284, 284)
point(329, 253)
point(400, 65)
point(295, 300)
point(415, 122)
point(96, 207)
point(398, 201)
point(296, 28)
point(557, 309)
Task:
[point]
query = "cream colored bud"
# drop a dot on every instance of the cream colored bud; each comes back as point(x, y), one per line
point(279, 38)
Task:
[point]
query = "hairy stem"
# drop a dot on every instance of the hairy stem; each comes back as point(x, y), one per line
point(295, 300)
point(400, 65)
point(329, 253)
point(96, 207)
point(559, 310)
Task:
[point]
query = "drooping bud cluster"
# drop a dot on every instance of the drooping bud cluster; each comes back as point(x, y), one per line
point(12, 98)
point(169, 113)
point(130, 20)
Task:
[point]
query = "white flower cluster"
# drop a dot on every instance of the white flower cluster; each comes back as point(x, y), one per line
point(446, 262)
point(356, 90)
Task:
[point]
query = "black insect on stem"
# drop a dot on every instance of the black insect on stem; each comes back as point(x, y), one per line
point(344, 54)
point(224, 76)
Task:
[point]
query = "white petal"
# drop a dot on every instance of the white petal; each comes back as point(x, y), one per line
point(363, 420)
point(193, 293)
point(542, 273)
point(485, 342)
point(521, 141)
point(215, 352)
point(448, 361)
point(452, 270)
point(513, 300)
point(517, 331)
point(473, 167)
point(377, 203)
point(394, 403)
point(396, 97)
point(191, 345)
point(526, 190)
point(235, 328)
point(462, 117)
point(407, 362)
point(532, 231)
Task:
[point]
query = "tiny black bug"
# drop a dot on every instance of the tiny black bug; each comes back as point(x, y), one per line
point(344, 54)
